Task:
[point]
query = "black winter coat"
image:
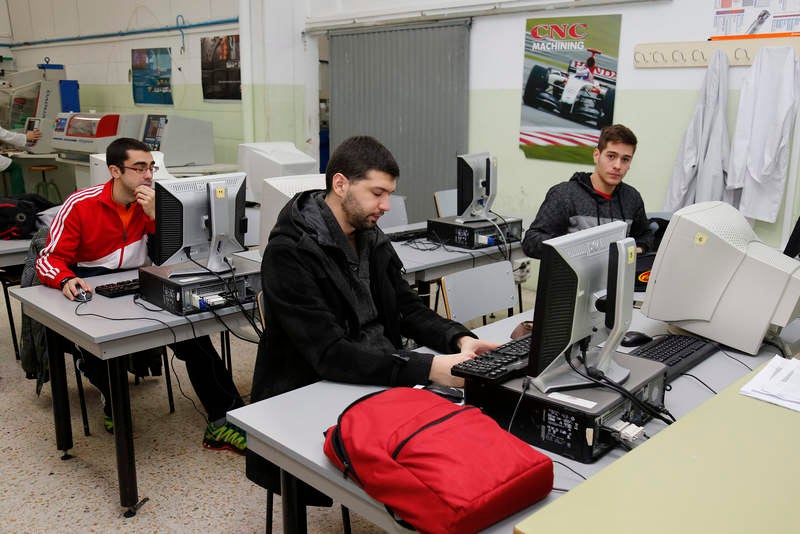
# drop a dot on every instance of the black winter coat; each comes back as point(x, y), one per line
point(312, 329)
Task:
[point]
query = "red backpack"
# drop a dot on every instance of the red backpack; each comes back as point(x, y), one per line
point(439, 466)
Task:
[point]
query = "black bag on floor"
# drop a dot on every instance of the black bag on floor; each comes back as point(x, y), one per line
point(18, 215)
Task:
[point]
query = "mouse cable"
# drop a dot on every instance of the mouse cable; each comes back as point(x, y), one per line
point(706, 385)
point(526, 384)
point(737, 360)
point(583, 477)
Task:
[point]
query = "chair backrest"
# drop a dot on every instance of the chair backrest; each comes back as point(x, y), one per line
point(397, 215)
point(445, 201)
point(260, 301)
point(479, 291)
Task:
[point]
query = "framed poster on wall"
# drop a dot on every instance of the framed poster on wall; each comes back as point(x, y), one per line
point(151, 76)
point(569, 84)
point(221, 75)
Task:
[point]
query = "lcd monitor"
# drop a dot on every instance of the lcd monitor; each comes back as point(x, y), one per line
point(569, 318)
point(200, 219)
point(714, 277)
point(476, 187)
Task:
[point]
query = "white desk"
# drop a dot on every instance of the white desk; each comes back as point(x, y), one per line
point(287, 430)
point(109, 340)
point(426, 264)
point(13, 251)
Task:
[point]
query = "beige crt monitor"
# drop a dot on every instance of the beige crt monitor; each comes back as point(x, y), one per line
point(714, 277)
point(276, 192)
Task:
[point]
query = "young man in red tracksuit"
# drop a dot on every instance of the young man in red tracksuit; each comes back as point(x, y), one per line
point(105, 228)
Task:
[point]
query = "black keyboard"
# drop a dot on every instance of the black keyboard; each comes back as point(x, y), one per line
point(408, 235)
point(118, 289)
point(498, 365)
point(678, 353)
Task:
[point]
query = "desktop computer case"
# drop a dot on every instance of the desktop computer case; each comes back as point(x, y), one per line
point(480, 234)
point(175, 294)
point(571, 423)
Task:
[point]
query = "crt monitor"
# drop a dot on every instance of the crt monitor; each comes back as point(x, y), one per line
point(567, 319)
point(714, 277)
point(276, 193)
point(268, 160)
point(183, 140)
point(476, 186)
point(201, 219)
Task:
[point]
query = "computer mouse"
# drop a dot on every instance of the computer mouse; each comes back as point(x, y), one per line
point(83, 296)
point(449, 393)
point(633, 338)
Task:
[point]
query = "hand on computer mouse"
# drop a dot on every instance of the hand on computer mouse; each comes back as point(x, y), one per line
point(83, 295)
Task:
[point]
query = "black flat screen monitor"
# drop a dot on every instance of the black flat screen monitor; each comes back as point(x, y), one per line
point(573, 277)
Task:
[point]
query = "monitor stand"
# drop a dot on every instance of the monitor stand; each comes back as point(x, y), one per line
point(476, 216)
point(562, 376)
point(621, 277)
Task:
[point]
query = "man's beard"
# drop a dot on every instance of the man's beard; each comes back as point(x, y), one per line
point(357, 218)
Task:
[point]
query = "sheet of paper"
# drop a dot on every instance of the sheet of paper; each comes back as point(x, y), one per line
point(778, 382)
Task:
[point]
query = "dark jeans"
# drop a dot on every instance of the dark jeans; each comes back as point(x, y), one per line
point(211, 381)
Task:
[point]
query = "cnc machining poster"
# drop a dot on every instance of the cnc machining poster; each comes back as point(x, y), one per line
point(569, 83)
point(151, 76)
point(757, 17)
point(222, 78)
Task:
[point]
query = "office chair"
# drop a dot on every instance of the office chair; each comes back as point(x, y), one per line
point(397, 215)
point(257, 468)
point(479, 291)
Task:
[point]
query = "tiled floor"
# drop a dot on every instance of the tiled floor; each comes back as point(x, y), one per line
point(189, 488)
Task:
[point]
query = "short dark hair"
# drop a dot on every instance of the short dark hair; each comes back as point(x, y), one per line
point(616, 133)
point(117, 151)
point(357, 155)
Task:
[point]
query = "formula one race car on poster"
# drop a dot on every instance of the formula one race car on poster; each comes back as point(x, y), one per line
point(584, 93)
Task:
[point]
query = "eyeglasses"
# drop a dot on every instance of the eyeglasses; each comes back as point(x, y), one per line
point(141, 170)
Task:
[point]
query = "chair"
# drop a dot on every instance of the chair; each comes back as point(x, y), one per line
point(317, 499)
point(397, 215)
point(45, 188)
point(479, 291)
point(446, 202)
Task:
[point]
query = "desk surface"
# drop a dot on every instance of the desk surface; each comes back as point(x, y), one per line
point(13, 251)
point(287, 429)
point(729, 466)
point(134, 328)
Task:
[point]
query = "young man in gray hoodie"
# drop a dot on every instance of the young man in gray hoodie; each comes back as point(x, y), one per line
point(592, 199)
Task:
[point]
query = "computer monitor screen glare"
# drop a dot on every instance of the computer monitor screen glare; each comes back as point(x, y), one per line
point(714, 277)
point(476, 186)
point(573, 275)
point(200, 218)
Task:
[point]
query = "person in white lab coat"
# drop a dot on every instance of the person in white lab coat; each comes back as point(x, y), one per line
point(760, 148)
point(9, 165)
point(701, 167)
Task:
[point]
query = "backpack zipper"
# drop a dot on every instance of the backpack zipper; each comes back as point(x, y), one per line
point(428, 425)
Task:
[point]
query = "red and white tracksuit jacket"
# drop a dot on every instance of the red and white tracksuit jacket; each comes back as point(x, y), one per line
point(88, 232)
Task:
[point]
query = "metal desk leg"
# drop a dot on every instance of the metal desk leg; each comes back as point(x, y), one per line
point(123, 434)
point(294, 512)
point(58, 387)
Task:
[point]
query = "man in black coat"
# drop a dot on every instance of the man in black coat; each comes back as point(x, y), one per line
point(592, 199)
point(337, 304)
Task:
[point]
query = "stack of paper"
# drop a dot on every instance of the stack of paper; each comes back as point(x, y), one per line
point(778, 382)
